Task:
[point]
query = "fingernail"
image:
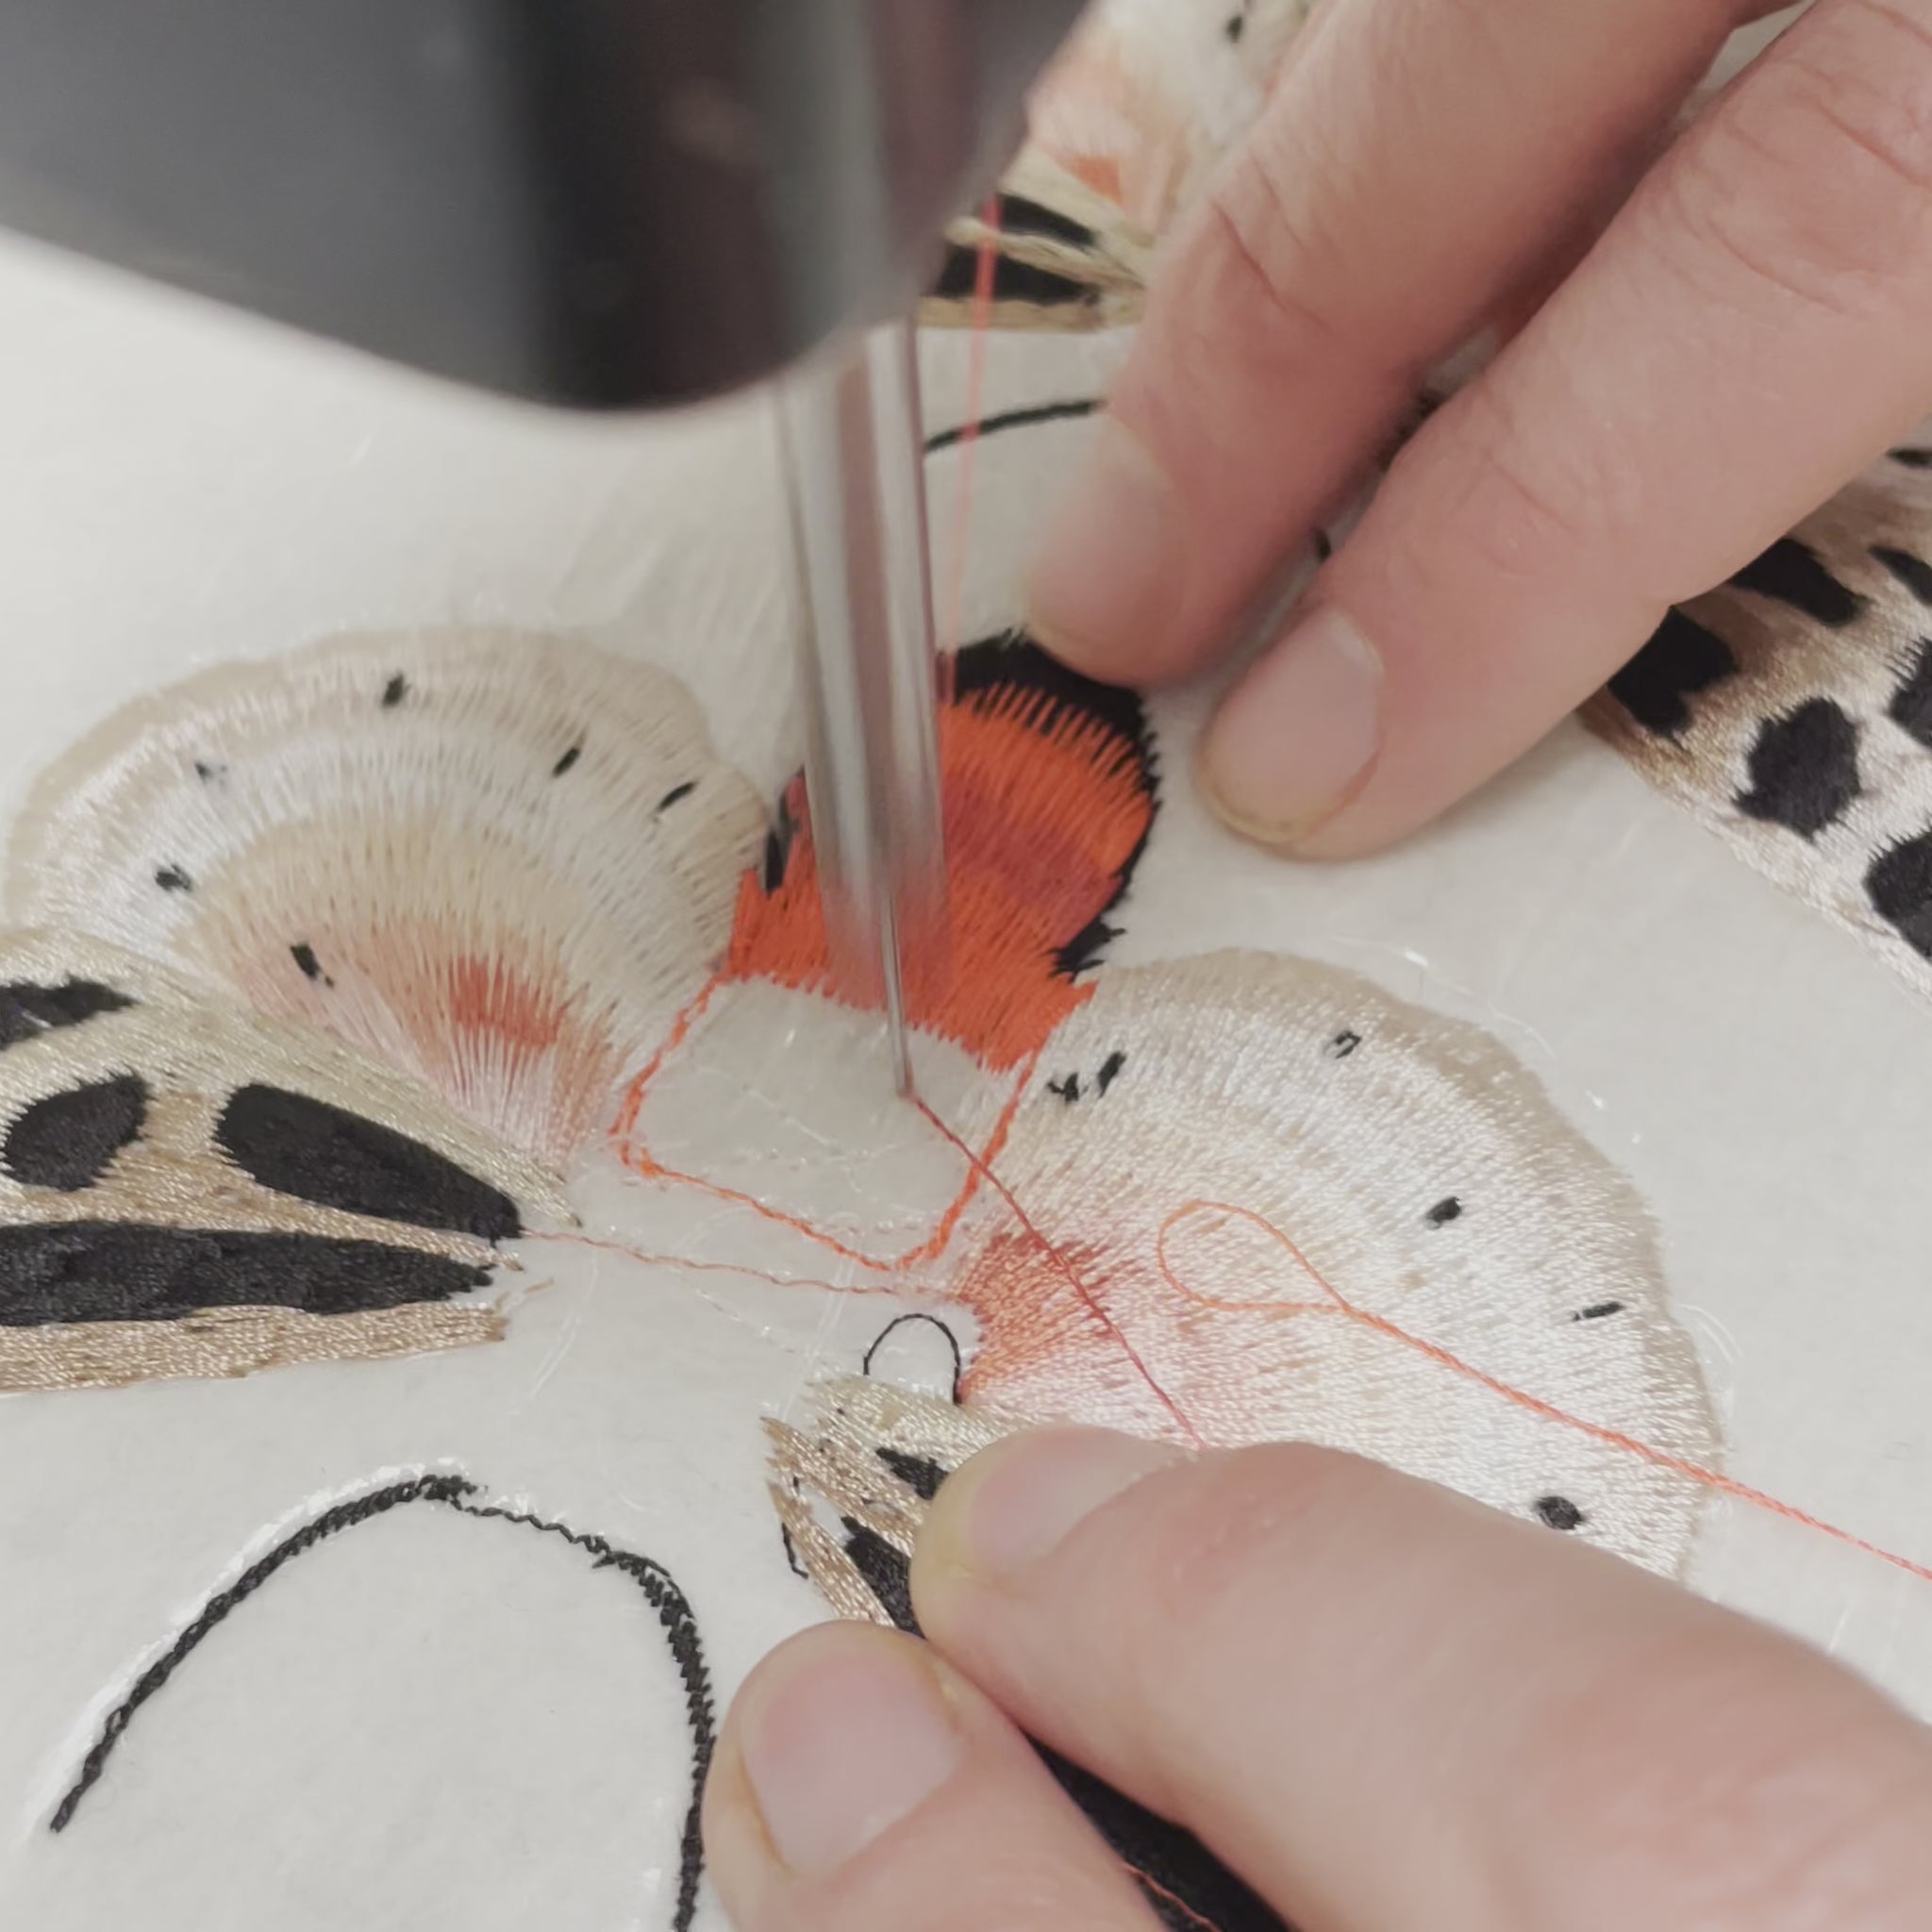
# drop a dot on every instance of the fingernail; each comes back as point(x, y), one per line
point(1111, 567)
point(857, 1736)
point(1018, 1503)
point(1296, 738)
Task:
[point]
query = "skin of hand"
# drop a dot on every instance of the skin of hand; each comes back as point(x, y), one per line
point(1721, 329)
point(1386, 1708)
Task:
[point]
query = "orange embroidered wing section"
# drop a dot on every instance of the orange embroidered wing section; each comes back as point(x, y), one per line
point(1049, 794)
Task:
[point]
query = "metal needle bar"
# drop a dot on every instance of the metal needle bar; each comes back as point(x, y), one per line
point(853, 437)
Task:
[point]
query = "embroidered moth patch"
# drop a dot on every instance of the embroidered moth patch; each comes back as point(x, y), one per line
point(190, 1190)
point(498, 860)
point(851, 1488)
point(1791, 712)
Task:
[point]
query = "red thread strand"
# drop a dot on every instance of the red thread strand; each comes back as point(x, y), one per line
point(1337, 1303)
point(1067, 1269)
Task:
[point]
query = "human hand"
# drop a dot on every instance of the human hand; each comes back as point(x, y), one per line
point(1754, 324)
point(1385, 1707)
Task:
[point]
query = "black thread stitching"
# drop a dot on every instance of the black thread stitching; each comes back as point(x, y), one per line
point(304, 955)
point(107, 1271)
point(1794, 574)
point(314, 1150)
point(1110, 1070)
point(1559, 1513)
point(395, 691)
point(676, 792)
point(28, 1009)
point(899, 1321)
point(1910, 708)
point(919, 1473)
point(1012, 281)
point(1803, 769)
point(1343, 1043)
point(1914, 573)
point(1912, 458)
point(1149, 1845)
point(658, 1587)
point(1013, 419)
point(566, 761)
point(173, 878)
point(1446, 1210)
point(1899, 885)
point(67, 1141)
point(1682, 659)
point(1067, 1088)
point(1597, 1311)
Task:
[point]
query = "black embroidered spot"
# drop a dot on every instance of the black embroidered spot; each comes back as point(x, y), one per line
point(1185, 1885)
point(1110, 1070)
point(1235, 26)
point(28, 1009)
point(1792, 573)
point(1914, 573)
point(1899, 885)
point(1021, 216)
point(1012, 281)
point(1803, 769)
point(1011, 671)
point(171, 878)
point(111, 1271)
point(919, 1473)
point(566, 761)
point(1558, 1512)
point(1681, 659)
point(886, 1574)
point(395, 691)
point(208, 772)
point(1444, 1211)
point(1067, 1088)
point(1910, 708)
point(1913, 459)
point(304, 955)
point(677, 792)
point(1343, 1043)
point(778, 844)
point(1324, 545)
point(324, 1153)
point(66, 1139)
point(1597, 1311)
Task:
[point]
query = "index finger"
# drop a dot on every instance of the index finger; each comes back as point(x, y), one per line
point(1387, 1707)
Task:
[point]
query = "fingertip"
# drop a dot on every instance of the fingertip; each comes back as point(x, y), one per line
point(1104, 588)
point(1013, 1505)
point(838, 1735)
point(1298, 740)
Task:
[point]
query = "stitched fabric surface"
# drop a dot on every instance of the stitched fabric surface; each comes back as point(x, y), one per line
point(467, 1284)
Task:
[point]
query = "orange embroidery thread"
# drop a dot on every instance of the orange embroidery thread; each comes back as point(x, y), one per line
point(1334, 1303)
point(1090, 1300)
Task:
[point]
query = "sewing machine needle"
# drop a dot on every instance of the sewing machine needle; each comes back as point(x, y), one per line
point(854, 443)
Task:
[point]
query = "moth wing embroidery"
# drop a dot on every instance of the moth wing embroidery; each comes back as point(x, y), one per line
point(1276, 1202)
point(188, 1188)
point(497, 860)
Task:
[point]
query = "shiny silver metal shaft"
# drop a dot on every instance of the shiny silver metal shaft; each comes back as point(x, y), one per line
point(854, 448)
